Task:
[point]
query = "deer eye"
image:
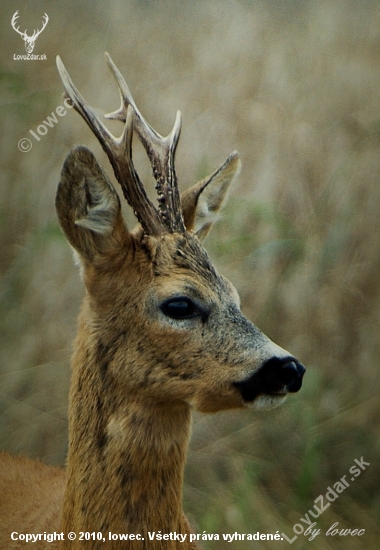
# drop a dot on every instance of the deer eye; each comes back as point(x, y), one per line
point(180, 307)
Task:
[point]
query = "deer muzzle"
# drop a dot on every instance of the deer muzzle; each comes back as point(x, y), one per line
point(276, 377)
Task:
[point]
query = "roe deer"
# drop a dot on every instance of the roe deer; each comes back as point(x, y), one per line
point(160, 333)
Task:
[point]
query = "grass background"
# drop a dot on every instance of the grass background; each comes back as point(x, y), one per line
point(295, 87)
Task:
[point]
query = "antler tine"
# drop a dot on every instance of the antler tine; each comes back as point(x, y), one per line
point(13, 23)
point(160, 150)
point(44, 23)
point(119, 152)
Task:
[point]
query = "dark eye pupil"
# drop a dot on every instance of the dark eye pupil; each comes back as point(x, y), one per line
point(179, 308)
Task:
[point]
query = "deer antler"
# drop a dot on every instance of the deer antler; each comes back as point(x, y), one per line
point(13, 23)
point(24, 34)
point(44, 23)
point(160, 151)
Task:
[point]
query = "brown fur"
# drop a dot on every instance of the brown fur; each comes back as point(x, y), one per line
point(24, 485)
point(137, 372)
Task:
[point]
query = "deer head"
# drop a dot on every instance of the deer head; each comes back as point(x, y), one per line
point(158, 318)
point(29, 40)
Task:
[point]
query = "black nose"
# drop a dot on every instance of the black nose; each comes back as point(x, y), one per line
point(291, 374)
point(276, 376)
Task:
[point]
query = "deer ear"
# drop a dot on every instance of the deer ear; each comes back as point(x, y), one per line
point(202, 203)
point(88, 207)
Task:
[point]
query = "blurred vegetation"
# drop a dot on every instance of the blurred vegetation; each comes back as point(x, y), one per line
point(295, 87)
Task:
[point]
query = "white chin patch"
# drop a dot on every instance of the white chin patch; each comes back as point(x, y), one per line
point(267, 401)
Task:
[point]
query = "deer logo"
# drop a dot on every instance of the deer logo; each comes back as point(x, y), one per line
point(29, 40)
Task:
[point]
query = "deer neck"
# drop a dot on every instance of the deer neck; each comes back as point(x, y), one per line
point(126, 458)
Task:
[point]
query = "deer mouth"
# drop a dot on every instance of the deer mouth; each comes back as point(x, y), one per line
point(275, 379)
